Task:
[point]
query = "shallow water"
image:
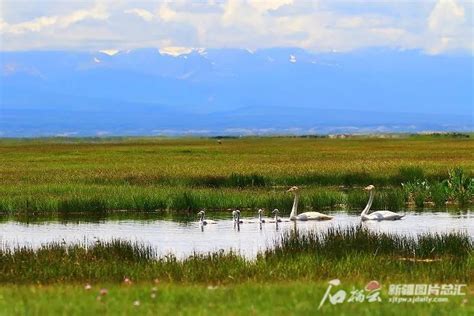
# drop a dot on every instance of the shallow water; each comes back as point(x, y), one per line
point(183, 238)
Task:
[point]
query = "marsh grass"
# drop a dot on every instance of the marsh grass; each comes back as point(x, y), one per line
point(410, 173)
point(105, 199)
point(97, 176)
point(439, 194)
point(353, 253)
point(392, 199)
point(337, 243)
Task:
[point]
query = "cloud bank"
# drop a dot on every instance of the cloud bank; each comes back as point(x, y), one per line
point(435, 27)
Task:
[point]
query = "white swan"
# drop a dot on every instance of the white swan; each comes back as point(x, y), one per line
point(236, 218)
point(260, 217)
point(377, 215)
point(276, 219)
point(307, 216)
point(204, 221)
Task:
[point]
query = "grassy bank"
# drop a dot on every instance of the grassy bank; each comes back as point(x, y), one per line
point(281, 298)
point(356, 254)
point(99, 198)
point(93, 175)
point(123, 278)
point(57, 198)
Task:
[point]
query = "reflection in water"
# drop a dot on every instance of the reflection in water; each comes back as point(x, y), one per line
point(184, 238)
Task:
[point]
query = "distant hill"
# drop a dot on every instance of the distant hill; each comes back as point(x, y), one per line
point(231, 91)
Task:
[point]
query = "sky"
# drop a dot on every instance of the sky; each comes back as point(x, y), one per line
point(280, 65)
point(433, 27)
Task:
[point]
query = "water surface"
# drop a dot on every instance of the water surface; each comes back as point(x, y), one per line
point(183, 238)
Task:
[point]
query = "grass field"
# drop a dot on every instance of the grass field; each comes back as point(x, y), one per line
point(44, 175)
point(280, 298)
point(63, 177)
point(289, 279)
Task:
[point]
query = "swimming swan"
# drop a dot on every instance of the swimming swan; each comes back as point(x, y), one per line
point(307, 216)
point(260, 217)
point(204, 221)
point(377, 215)
point(236, 218)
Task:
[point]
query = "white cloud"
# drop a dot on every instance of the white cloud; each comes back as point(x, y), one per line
point(434, 27)
point(166, 13)
point(446, 16)
point(267, 5)
point(448, 28)
point(144, 14)
point(36, 25)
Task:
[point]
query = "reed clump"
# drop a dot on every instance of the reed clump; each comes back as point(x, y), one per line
point(353, 253)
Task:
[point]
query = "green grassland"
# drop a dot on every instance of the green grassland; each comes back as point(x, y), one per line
point(87, 175)
point(63, 177)
point(288, 279)
point(281, 298)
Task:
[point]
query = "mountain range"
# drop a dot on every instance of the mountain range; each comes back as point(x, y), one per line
point(232, 92)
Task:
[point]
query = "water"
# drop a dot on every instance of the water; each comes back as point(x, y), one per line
point(183, 238)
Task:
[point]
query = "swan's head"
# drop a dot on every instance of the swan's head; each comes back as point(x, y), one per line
point(201, 213)
point(261, 211)
point(293, 189)
point(369, 188)
point(276, 211)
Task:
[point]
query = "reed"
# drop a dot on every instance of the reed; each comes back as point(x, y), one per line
point(105, 199)
point(353, 253)
point(337, 243)
point(101, 175)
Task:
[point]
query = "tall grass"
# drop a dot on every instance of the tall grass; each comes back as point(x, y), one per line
point(187, 174)
point(410, 173)
point(355, 252)
point(102, 199)
point(458, 187)
point(439, 194)
point(337, 243)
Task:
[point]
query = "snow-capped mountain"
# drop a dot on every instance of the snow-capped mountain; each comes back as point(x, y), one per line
point(219, 91)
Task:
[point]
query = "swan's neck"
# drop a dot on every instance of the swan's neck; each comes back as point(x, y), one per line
point(260, 217)
point(294, 210)
point(369, 204)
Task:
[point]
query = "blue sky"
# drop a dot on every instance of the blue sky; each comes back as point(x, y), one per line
point(434, 27)
point(120, 67)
